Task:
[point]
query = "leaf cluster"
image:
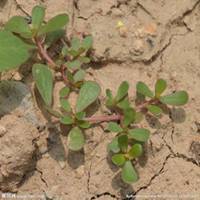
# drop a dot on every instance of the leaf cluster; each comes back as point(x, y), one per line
point(21, 40)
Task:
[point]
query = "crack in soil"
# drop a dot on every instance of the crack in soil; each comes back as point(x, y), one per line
point(187, 12)
point(139, 5)
point(180, 155)
point(153, 177)
point(104, 194)
point(41, 176)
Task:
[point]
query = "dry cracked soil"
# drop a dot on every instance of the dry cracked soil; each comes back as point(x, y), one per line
point(159, 39)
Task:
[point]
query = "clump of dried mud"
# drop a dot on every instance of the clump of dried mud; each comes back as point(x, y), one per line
point(162, 39)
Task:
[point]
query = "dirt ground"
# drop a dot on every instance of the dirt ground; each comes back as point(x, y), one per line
point(160, 39)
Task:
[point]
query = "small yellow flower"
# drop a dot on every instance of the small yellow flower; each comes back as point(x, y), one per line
point(120, 24)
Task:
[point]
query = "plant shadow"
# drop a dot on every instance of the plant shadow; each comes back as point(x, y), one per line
point(55, 145)
point(75, 159)
point(124, 189)
point(13, 94)
point(178, 115)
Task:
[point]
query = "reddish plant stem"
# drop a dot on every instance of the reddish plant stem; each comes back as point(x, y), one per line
point(63, 74)
point(117, 117)
point(105, 118)
point(43, 53)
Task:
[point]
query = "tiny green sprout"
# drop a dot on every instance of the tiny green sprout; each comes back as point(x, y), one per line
point(20, 41)
point(120, 100)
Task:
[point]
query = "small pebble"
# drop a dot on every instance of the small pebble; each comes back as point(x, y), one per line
point(123, 31)
point(2, 131)
point(138, 46)
point(80, 172)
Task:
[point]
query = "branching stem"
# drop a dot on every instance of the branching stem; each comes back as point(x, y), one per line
point(117, 117)
point(43, 53)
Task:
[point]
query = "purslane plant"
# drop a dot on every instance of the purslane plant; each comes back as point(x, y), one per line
point(21, 40)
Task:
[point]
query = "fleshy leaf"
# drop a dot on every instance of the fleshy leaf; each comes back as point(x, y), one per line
point(79, 75)
point(44, 81)
point(122, 91)
point(67, 120)
point(143, 89)
point(135, 151)
point(129, 116)
point(84, 124)
point(114, 145)
point(74, 64)
point(75, 43)
point(118, 159)
point(19, 25)
point(176, 99)
point(13, 51)
point(129, 174)
point(87, 42)
point(54, 24)
point(88, 94)
point(155, 110)
point(80, 115)
point(124, 104)
point(139, 134)
point(64, 92)
point(114, 127)
point(65, 104)
point(38, 13)
point(123, 142)
point(76, 139)
point(54, 36)
point(138, 117)
point(160, 87)
point(84, 59)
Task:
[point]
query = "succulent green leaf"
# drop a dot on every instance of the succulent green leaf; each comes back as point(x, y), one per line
point(129, 116)
point(13, 51)
point(67, 120)
point(123, 142)
point(160, 87)
point(138, 117)
point(118, 159)
point(124, 104)
point(84, 59)
point(139, 134)
point(65, 104)
point(79, 75)
point(54, 36)
point(129, 174)
point(122, 91)
point(75, 43)
point(19, 25)
point(80, 115)
point(89, 92)
point(64, 92)
point(74, 64)
point(143, 89)
point(176, 99)
point(87, 42)
point(135, 151)
point(38, 13)
point(114, 145)
point(84, 124)
point(109, 100)
point(55, 23)
point(114, 127)
point(155, 110)
point(44, 81)
point(76, 139)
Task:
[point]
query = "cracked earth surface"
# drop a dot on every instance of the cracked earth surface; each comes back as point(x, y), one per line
point(162, 39)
